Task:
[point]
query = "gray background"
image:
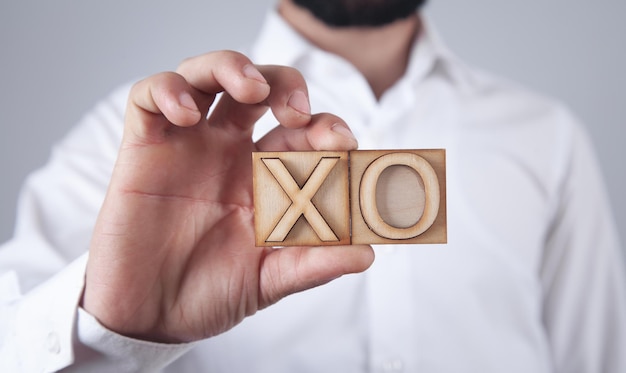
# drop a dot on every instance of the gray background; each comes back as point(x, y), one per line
point(57, 58)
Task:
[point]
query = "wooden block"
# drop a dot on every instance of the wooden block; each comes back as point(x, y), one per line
point(398, 196)
point(360, 197)
point(301, 198)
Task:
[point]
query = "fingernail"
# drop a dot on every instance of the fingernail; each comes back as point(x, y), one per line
point(251, 72)
point(187, 101)
point(343, 131)
point(299, 102)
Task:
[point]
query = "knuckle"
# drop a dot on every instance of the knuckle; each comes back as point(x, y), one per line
point(213, 58)
point(296, 72)
point(292, 74)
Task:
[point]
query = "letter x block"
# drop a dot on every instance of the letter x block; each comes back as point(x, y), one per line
point(301, 198)
point(358, 197)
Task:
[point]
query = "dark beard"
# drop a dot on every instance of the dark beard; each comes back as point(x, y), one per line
point(346, 13)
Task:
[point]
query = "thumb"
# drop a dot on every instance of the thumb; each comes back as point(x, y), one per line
point(293, 269)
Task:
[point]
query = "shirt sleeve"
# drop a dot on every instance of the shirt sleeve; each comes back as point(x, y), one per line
point(42, 267)
point(583, 269)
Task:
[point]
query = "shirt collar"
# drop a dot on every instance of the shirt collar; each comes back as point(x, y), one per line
point(427, 52)
point(277, 43)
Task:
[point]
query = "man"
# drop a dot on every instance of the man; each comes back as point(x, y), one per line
point(530, 280)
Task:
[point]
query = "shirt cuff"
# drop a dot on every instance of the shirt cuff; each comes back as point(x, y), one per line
point(40, 336)
point(49, 333)
point(104, 350)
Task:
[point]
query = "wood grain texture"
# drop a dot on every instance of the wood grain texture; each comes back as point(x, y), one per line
point(301, 198)
point(398, 196)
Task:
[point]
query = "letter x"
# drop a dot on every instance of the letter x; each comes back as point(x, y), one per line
point(301, 199)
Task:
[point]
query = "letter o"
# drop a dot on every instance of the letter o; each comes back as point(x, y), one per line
point(367, 195)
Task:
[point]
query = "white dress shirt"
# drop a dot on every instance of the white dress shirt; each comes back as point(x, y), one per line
point(531, 279)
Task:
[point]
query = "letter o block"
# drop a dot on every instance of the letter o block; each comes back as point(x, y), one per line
point(398, 196)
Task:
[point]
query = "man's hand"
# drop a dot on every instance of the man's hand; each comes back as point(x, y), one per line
point(172, 256)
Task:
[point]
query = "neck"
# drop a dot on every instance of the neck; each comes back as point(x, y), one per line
point(380, 53)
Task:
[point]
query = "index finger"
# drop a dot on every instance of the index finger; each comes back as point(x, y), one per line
point(230, 71)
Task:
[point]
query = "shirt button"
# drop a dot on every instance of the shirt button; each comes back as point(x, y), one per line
point(393, 365)
point(52, 343)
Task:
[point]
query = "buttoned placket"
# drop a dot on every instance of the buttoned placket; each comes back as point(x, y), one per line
point(391, 311)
